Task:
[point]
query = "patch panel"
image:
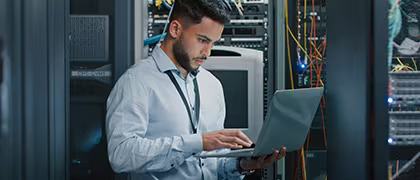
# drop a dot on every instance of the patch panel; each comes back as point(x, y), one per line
point(404, 107)
point(254, 1)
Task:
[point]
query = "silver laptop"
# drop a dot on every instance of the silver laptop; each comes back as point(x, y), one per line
point(287, 122)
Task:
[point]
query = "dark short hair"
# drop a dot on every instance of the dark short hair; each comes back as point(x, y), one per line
point(193, 11)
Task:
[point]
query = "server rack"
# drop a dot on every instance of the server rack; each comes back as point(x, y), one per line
point(357, 90)
point(100, 49)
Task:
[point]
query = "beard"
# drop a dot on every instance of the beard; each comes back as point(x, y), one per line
point(181, 56)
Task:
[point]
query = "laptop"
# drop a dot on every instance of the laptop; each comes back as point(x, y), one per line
point(287, 122)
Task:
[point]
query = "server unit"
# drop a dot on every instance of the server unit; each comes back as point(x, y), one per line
point(404, 83)
point(404, 114)
point(404, 106)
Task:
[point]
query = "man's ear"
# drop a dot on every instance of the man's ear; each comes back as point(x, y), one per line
point(175, 29)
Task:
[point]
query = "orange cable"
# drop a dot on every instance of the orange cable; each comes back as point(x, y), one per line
point(307, 144)
point(323, 124)
point(314, 20)
point(297, 166)
point(302, 152)
point(288, 44)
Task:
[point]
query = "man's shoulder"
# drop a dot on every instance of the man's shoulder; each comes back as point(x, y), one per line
point(205, 74)
point(142, 70)
point(143, 67)
point(146, 63)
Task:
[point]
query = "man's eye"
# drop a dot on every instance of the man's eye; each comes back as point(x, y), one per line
point(202, 40)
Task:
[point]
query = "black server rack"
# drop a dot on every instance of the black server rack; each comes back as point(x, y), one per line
point(91, 69)
point(357, 127)
point(404, 88)
point(90, 83)
point(100, 49)
point(307, 31)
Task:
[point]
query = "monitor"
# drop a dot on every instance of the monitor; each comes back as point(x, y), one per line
point(240, 72)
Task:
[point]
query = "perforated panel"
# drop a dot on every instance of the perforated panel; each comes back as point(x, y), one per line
point(89, 38)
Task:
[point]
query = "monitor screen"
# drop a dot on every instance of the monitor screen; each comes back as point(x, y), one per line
point(235, 89)
point(240, 72)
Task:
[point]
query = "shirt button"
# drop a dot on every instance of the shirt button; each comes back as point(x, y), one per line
point(172, 165)
point(202, 164)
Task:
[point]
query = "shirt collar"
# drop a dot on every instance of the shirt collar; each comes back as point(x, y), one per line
point(164, 63)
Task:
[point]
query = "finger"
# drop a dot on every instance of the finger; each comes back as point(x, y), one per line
point(244, 137)
point(269, 160)
point(238, 134)
point(229, 145)
point(283, 151)
point(279, 154)
point(260, 161)
point(237, 146)
point(236, 140)
point(274, 156)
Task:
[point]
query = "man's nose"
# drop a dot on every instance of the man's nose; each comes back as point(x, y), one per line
point(206, 51)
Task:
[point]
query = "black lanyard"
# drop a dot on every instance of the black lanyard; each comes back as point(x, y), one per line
point(197, 100)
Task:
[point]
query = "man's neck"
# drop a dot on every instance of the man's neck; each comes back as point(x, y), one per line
point(167, 48)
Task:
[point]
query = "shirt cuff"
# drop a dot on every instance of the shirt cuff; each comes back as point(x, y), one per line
point(193, 143)
point(231, 167)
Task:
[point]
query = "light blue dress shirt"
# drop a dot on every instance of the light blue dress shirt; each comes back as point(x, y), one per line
point(148, 128)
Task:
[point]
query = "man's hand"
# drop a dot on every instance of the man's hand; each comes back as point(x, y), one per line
point(234, 139)
point(262, 161)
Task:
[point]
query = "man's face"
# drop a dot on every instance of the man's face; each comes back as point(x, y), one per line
point(193, 47)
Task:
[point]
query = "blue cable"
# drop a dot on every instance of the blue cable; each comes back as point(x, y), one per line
point(166, 4)
point(153, 40)
point(394, 27)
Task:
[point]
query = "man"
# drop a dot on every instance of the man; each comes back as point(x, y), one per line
point(166, 109)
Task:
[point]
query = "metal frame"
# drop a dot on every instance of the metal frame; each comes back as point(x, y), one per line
point(35, 89)
point(124, 37)
point(10, 167)
point(36, 143)
point(357, 75)
point(279, 44)
point(279, 66)
point(140, 30)
point(66, 131)
point(35, 128)
point(44, 89)
point(270, 171)
point(291, 157)
point(57, 65)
